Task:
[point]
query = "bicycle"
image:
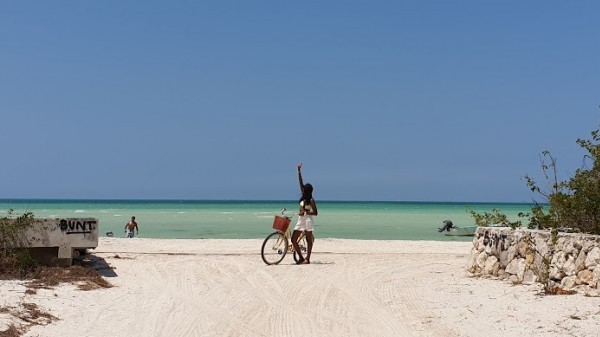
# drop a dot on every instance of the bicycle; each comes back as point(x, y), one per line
point(277, 244)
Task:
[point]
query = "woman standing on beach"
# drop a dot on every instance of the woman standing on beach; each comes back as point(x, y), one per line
point(308, 209)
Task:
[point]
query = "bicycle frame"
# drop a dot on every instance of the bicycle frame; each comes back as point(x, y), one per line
point(283, 238)
point(287, 235)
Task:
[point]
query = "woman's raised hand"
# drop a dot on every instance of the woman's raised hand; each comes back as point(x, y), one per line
point(299, 167)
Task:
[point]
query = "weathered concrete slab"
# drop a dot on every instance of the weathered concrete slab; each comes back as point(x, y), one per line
point(57, 241)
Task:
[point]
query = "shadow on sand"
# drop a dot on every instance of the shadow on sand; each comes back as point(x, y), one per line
point(95, 262)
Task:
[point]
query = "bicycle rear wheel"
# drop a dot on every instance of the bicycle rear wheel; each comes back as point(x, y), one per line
point(274, 248)
point(302, 244)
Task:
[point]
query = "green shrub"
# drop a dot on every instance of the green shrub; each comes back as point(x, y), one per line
point(15, 260)
point(572, 204)
point(495, 218)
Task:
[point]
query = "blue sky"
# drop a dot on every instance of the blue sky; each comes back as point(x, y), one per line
point(381, 100)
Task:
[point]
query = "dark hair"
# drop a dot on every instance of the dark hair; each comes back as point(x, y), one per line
point(306, 193)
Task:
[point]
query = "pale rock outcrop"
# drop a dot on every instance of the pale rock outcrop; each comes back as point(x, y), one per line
point(480, 262)
point(569, 267)
point(491, 266)
point(568, 282)
point(580, 261)
point(593, 257)
point(529, 276)
point(586, 277)
point(568, 260)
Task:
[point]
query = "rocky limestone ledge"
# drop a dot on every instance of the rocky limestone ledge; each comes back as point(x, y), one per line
point(520, 255)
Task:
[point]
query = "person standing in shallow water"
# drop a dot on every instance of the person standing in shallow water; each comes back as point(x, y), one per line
point(130, 226)
point(308, 209)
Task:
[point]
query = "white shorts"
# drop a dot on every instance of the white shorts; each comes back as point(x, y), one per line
point(305, 223)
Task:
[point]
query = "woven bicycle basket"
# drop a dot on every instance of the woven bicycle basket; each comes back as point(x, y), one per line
point(281, 223)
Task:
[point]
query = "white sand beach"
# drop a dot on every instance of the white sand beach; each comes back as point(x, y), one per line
point(352, 288)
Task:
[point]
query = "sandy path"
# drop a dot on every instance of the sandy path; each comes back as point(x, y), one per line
point(353, 288)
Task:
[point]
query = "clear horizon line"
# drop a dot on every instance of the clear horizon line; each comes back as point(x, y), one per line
point(257, 200)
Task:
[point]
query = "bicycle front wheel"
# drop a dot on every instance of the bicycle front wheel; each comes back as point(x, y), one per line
point(274, 248)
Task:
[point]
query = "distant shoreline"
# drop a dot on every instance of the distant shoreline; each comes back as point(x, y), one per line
point(242, 219)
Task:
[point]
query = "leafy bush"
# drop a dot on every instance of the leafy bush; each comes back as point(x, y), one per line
point(495, 218)
point(15, 260)
point(572, 204)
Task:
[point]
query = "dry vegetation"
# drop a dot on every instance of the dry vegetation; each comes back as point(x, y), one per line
point(556, 290)
point(16, 262)
point(83, 278)
point(27, 313)
point(41, 277)
point(12, 331)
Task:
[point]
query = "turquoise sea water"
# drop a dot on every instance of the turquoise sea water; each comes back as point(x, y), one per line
point(188, 219)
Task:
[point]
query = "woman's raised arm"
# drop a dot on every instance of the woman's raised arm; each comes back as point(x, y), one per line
point(300, 177)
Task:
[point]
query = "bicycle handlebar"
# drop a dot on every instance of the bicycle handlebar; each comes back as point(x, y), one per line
point(287, 214)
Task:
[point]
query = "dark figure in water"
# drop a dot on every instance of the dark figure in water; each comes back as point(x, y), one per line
point(447, 226)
